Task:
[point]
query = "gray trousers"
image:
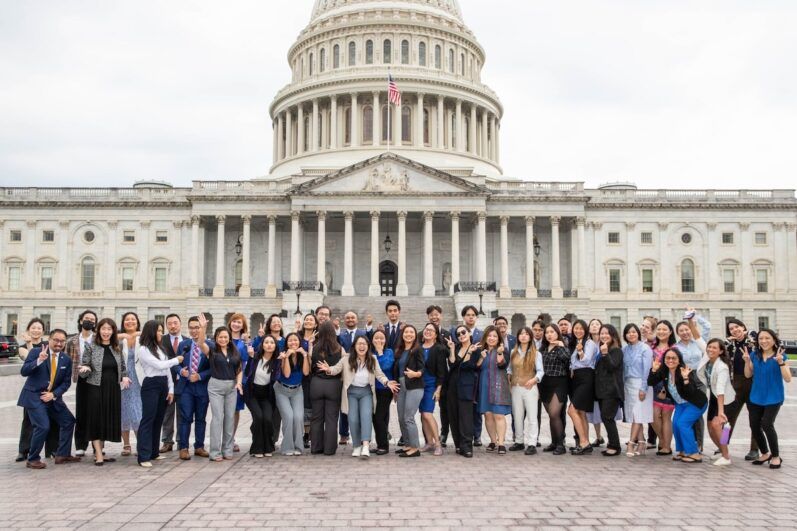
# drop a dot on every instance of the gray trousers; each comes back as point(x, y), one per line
point(290, 403)
point(223, 398)
point(408, 403)
point(172, 417)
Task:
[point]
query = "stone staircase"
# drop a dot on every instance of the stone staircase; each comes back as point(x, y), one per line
point(413, 308)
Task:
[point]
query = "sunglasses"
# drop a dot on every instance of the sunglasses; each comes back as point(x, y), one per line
point(462, 333)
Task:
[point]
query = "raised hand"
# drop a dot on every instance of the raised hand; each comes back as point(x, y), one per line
point(43, 355)
point(604, 349)
point(336, 322)
point(450, 342)
point(656, 365)
point(685, 372)
point(369, 320)
point(262, 330)
point(203, 321)
point(745, 355)
point(297, 324)
point(26, 337)
point(779, 355)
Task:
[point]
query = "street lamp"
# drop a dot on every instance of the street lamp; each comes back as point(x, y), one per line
point(238, 246)
point(481, 297)
point(388, 244)
point(537, 247)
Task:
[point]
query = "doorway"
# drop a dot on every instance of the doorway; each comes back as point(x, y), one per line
point(388, 275)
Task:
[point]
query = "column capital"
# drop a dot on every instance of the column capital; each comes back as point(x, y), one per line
point(221, 219)
point(428, 215)
point(555, 220)
point(295, 215)
point(333, 98)
point(530, 220)
point(441, 98)
point(113, 224)
point(596, 225)
point(711, 226)
point(376, 93)
point(402, 215)
point(420, 95)
point(581, 221)
point(481, 216)
point(64, 224)
point(178, 224)
point(630, 225)
point(322, 215)
point(195, 220)
point(348, 215)
point(354, 96)
point(145, 224)
point(504, 220)
point(375, 215)
point(663, 225)
point(246, 218)
point(272, 218)
point(31, 223)
point(744, 225)
point(791, 227)
point(454, 215)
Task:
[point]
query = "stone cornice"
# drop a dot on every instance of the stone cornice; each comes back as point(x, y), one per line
point(684, 205)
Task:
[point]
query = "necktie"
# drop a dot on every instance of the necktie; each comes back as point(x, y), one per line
point(174, 345)
point(351, 337)
point(194, 358)
point(53, 370)
point(392, 335)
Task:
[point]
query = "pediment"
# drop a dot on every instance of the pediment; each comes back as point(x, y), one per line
point(388, 174)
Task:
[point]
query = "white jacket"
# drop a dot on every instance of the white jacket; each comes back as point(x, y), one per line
point(720, 379)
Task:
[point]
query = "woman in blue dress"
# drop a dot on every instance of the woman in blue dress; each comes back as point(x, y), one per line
point(495, 401)
point(131, 397)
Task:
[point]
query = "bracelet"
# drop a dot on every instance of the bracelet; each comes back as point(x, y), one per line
point(781, 364)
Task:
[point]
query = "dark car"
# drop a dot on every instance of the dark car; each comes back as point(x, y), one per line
point(8, 347)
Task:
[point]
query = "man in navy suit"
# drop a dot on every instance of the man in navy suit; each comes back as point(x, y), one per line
point(192, 389)
point(393, 328)
point(170, 345)
point(49, 375)
point(502, 325)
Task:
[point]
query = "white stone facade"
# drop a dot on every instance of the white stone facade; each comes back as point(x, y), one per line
point(455, 224)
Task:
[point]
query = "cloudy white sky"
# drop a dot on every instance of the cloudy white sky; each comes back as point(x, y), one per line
point(665, 93)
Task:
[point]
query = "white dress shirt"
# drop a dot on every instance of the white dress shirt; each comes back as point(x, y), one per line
point(263, 372)
point(360, 376)
point(157, 366)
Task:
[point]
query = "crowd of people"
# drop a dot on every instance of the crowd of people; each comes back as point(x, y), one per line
point(327, 383)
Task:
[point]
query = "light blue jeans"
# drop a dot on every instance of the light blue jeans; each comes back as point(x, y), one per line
point(290, 403)
point(361, 410)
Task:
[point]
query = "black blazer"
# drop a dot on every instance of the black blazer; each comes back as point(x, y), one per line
point(414, 363)
point(249, 376)
point(694, 393)
point(166, 346)
point(609, 375)
point(466, 376)
point(436, 364)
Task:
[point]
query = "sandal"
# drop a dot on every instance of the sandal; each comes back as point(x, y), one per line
point(687, 459)
point(126, 450)
point(631, 449)
point(659, 452)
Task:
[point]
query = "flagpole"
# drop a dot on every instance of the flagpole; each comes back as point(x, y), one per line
point(389, 107)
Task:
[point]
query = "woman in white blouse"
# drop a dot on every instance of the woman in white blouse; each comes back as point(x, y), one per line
point(261, 373)
point(715, 372)
point(157, 390)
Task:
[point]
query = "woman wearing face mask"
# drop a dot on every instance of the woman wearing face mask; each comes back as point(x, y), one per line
point(104, 368)
point(637, 360)
point(75, 346)
point(714, 372)
point(555, 385)
point(384, 395)
point(689, 395)
point(663, 405)
point(408, 370)
point(738, 339)
point(495, 401)
point(462, 389)
point(769, 368)
point(131, 397)
point(525, 374)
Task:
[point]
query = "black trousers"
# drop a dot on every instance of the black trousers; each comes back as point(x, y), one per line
point(762, 424)
point(608, 407)
point(81, 414)
point(325, 400)
point(276, 422)
point(26, 433)
point(262, 410)
point(154, 391)
point(444, 422)
point(460, 416)
point(382, 418)
point(742, 386)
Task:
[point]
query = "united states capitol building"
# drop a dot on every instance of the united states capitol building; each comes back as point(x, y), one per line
point(362, 203)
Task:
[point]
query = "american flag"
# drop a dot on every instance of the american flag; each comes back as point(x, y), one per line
point(393, 92)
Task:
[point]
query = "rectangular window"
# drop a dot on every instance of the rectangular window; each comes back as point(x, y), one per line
point(614, 280)
point(14, 277)
point(161, 236)
point(48, 236)
point(729, 280)
point(15, 236)
point(47, 278)
point(87, 276)
point(727, 238)
point(129, 236)
point(614, 237)
point(763, 321)
point(127, 278)
point(760, 238)
point(762, 280)
point(616, 321)
point(12, 322)
point(646, 238)
point(647, 281)
point(47, 318)
point(160, 279)
point(161, 318)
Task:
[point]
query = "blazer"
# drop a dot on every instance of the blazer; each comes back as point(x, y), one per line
point(509, 342)
point(609, 375)
point(72, 349)
point(251, 368)
point(182, 384)
point(343, 367)
point(720, 381)
point(466, 376)
point(436, 363)
point(414, 363)
point(392, 345)
point(166, 346)
point(694, 393)
point(92, 358)
point(38, 379)
point(138, 368)
point(345, 340)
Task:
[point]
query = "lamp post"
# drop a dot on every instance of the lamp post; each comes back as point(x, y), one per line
point(537, 247)
point(480, 290)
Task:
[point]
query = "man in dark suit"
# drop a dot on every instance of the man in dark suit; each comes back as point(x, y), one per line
point(170, 345)
point(49, 375)
point(192, 389)
point(502, 325)
point(393, 328)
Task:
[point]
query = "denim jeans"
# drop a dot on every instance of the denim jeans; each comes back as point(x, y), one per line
point(361, 406)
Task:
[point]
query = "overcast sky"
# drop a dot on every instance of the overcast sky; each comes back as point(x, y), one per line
point(664, 93)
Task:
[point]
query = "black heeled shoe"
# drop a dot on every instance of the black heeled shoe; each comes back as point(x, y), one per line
point(773, 466)
point(416, 453)
point(762, 461)
point(597, 443)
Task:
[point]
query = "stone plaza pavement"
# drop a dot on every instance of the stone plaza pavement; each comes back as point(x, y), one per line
point(488, 491)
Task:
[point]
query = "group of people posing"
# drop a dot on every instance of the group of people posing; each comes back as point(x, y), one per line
point(328, 380)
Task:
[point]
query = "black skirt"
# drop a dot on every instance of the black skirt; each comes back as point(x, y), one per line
point(582, 389)
point(553, 385)
point(104, 422)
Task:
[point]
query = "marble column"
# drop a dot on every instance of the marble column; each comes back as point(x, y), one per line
point(791, 250)
point(481, 247)
point(781, 259)
point(196, 256)
point(321, 266)
point(110, 273)
point(145, 254)
point(347, 290)
point(454, 251)
point(419, 121)
point(631, 272)
point(459, 143)
point(493, 150)
point(246, 288)
point(218, 289)
point(531, 288)
point(333, 122)
point(484, 142)
point(574, 256)
point(583, 289)
point(497, 142)
point(300, 125)
point(441, 122)
point(505, 291)
point(64, 260)
point(401, 285)
point(280, 137)
point(271, 279)
point(472, 130)
point(556, 283)
point(397, 125)
point(288, 133)
point(355, 121)
point(28, 279)
point(428, 288)
point(314, 127)
point(377, 120)
point(374, 289)
point(295, 237)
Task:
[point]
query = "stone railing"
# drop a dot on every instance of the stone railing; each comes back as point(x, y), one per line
point(264, 187)
point(93, 194)
point(536, 187)
point(474, 287)
point(632, 195)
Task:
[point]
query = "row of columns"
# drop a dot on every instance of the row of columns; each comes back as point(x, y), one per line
point(484, 145)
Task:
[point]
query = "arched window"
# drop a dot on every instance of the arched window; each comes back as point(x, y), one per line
point(462, 64)
point(336, 56)
point(87, 274)
point(368, 124)
point(369, 52)
point(426, 126)
point(387, 52)
point(352, 53)
point(451, 61)
point(310, 59)
point(347, 126)
point(387, 132)
point(438, 57)
point(322, 60)
point(406, 124)
point(422, 54)
point(687, 276)
point(405, 52)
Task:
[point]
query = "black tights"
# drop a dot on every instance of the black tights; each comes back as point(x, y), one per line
point(554, 409)
point(762, 424)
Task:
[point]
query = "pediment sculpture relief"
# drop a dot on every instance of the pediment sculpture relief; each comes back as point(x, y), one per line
point(387, 178)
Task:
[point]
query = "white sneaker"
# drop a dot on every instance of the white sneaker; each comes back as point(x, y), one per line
point(357, 452)
point(366, 452)
point(80, 453)
point(145, 464)
point(722, 462)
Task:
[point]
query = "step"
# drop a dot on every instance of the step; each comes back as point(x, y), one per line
point(413, 309)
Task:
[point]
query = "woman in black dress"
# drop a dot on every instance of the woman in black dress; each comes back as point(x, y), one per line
point(103, 367)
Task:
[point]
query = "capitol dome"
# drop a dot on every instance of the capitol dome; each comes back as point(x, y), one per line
point(334, 112)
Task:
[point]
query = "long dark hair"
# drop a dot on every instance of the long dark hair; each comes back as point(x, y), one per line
point(327, 342)
point(585, 327)
point(134, 314)
point(544, 345)
point(670, 338)
point(775, 346)
point(436, 332)
point(294, 360)
point(370, 362)
point(612, 331)
point(304, 330)
point(149, 337)
point(487, 331)
point(530, 361)
point(114, 341)
point(677, 351)
point(373, 348)
point(271, 320)
point(737, 322)
point(723, 357)
point(402, 345)
point(232, 351)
